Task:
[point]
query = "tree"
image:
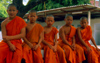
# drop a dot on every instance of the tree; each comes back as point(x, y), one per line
point(24, 9)
point(5, 3)
point(3, 12)
point(39, 4)
point(50, 4)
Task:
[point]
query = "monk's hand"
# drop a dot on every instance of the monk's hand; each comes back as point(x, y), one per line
point(55, 48)
point(89, 49)
point(12, 47)
point(73, 45)
point(73, 48)
point(6, 38)
point(35, 47)
point(31, 46)
point(98, 49)
point(51, 47)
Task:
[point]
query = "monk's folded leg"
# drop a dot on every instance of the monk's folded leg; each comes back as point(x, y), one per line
point(91, 56)
point(80, 56)
point(70, 54)
point(4, 49)
point(61, 54)
point(27, 55)
point(17, 55)
point(50, 55)
point(99, 59)
point(37, 56)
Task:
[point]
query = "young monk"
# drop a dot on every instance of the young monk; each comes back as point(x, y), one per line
point(84, 34)
point(51, 49)
point(13, 29)
point(74, 53)
point(34, 36)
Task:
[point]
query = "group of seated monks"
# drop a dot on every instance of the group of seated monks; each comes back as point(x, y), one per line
point(72, 46)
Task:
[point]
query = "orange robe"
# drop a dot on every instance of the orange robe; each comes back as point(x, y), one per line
point(72, 56)
point(12, 28)
point(92, 56)
point(49, 55)
point(29, 55)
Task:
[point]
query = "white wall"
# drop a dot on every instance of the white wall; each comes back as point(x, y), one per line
point(76, 23)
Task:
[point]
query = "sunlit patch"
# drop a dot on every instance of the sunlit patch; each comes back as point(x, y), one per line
point(25, 2)
point(0, 36)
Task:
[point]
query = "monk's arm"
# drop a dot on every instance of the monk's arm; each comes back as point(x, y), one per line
point(93, 41)
point(62, 35)
point(3, 29)
point(27, 42)
point(46, 43)
point(73, 39)
point(80, 38)
point(41, 37)
point(18, 36)
point(56, 40)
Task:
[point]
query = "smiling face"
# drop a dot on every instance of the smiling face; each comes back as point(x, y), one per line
point(12, 11)
point(49, 21)
point(68, 20)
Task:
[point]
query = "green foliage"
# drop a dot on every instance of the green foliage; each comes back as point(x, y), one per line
point(67, 2)
point(50, 4)
point(3, 6)
point(5, 2)
point(3, 12)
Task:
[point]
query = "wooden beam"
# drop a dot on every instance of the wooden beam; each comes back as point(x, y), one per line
point(89, 18)
point(58, 9)
point(83, 10)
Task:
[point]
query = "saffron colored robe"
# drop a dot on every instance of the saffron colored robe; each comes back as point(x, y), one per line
point(32, 36)
point(72, 56)
point(92, 56)
point(49, 54)
point(12, 28)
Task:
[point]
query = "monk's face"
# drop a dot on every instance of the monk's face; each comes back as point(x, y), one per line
point(49, 21)
point(32, 17)
point(69, 20)
point(84, 23)
point(12, 11)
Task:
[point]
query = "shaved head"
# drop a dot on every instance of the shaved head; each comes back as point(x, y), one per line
point(49, 16)
point(82, 18)
point(11, 5)
point(68, 15)
point(33, 11)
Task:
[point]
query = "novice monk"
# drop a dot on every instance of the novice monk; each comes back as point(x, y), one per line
point(74, 53)
point(13, 29)
point(34, 36)
point(84, 34)
point(51, 49)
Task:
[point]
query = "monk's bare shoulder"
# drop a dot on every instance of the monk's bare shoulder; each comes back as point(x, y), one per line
point(62, 28)
point(4, 23)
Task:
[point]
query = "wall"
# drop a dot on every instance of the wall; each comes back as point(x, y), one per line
point(76, 23)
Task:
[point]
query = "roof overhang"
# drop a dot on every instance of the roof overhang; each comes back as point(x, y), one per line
point(76, 10)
